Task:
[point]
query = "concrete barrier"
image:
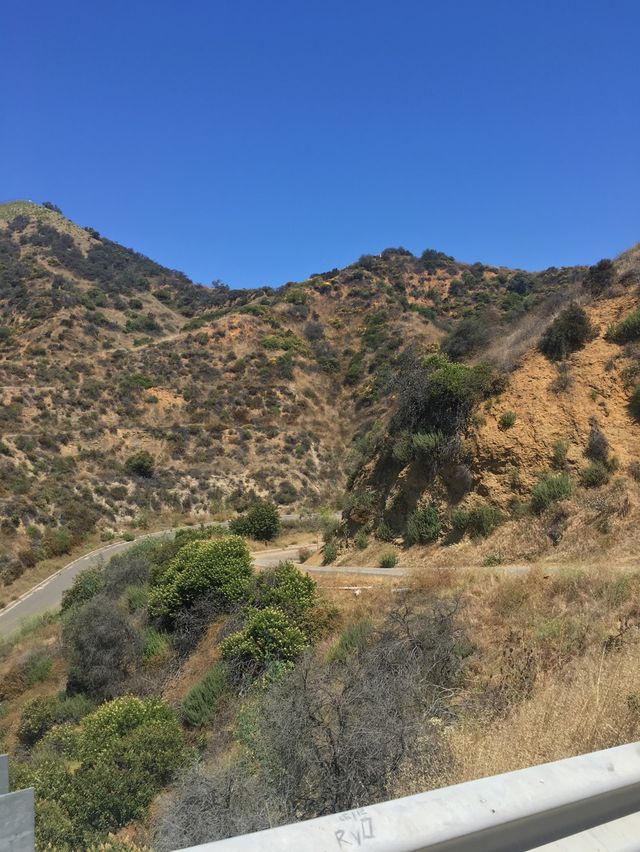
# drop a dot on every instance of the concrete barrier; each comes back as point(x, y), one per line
point(4, 773)
point(17, 827)
point(513, 812)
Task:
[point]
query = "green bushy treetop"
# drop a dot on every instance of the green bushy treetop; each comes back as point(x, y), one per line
point(268, 637)
point(570, 330)
point(261, 522)
point(220, 568)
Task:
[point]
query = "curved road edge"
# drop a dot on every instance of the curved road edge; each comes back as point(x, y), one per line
point(47, 595)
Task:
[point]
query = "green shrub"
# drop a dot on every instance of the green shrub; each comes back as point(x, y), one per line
point(570, 330)
point(437, 395)
point(507, 420)
point(261, 522)
point(141, 464)
point(477, 520)
point(491, 560)
point(360, 505)
point(560, 451)
point(54, 826)
point(634, 470)
point(550, 489)
point(36, 719)
point(361, 540)
point(155, 645)
point(128, 751)
point(627, 330)
point(137, 324)
point(86, 585)
point(285, 341)
point(38, 667)
point(424, 525)
point(388, 560)
point(267, 637)
point(594, 475)
point(470, 335)
point(599, 277)
point(329, 553)
point(136, 381)
point(41, 714)
point(383, 532)
point(220, 568)
point(402, 449)
point(63, 738)
point(428, 446)
point(285, 587)
point(56, 541)
point(201, 702)
point(136, 597)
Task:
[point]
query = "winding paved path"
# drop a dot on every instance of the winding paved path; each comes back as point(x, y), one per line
point(47, 595)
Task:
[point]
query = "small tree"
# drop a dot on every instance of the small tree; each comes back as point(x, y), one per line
point(219, 568)
point(570, 330)
point(268, 637)
point(102, 648)
point(286, 588)
point(261, 522)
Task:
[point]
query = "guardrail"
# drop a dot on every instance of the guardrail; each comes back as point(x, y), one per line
point(17, 830)
point(593, 799)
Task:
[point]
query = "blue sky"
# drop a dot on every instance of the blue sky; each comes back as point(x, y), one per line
point(259, 142)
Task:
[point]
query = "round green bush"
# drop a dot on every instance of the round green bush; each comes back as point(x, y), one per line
point(507, 420)
point(570, 330)
point(268, 637)
point(261, 522)
point(361, 540)
point(388, 560)
point(286, 588)
point(424, 525)
point(218, 567)
point(141, 464)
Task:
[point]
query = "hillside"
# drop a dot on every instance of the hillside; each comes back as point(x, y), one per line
point(540, 461)
point(284, 393)
point(467, 419)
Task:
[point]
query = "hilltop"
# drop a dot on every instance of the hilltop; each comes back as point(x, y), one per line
point(130, 393)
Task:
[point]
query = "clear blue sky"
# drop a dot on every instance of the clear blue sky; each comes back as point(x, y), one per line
point(259, 141)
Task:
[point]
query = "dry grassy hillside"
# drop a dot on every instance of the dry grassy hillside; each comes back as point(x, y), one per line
point(561, 421)
point(227, 394)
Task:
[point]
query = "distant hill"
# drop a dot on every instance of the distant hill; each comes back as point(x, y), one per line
point(287, 393)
